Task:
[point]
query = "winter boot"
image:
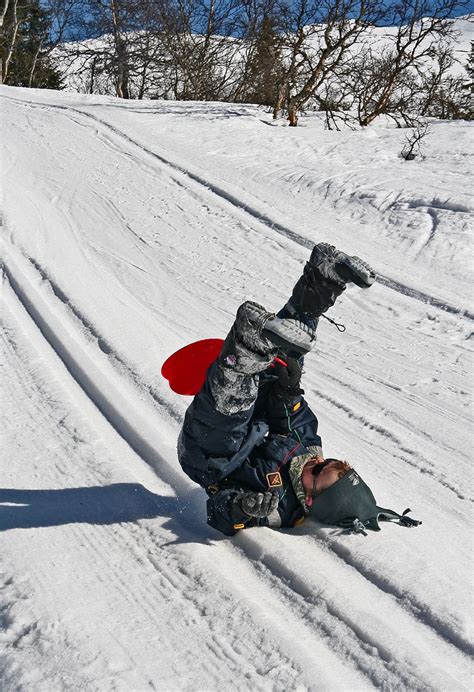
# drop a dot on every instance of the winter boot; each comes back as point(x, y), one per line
point(262, 334)
point(290, 336)
point(251, 345)
point(354, 269)
point(324, 279)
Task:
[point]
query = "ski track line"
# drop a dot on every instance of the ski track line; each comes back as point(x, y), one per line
point(102, 343)
point(338, 550)
point(65, 345)
point(315, 623)
point(346, 637)
point(171, 573)
point(192, 578)
point(142, 450)
point(226, 197)
point(405, 423)
point(413, 458)
point(407, 601)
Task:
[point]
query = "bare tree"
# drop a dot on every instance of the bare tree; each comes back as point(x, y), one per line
point(59, 13)
point(200, 36)
point(414, 141)
point(4, 6)
point(387, 78)
point(104, 35)
point(318, 39)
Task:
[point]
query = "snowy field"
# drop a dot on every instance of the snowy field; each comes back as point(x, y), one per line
point(131, 229)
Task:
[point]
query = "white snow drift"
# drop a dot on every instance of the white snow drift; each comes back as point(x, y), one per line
point(131, 229)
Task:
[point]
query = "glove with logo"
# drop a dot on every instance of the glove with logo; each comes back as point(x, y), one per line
point(258, 505)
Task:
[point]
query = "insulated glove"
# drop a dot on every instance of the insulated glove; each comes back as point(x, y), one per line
point(257, 505)
point(289, 377)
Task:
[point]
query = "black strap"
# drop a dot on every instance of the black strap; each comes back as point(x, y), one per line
point(358, 527)
point(403, 520)
point(355, 525)
point(408, 521)
point(339, 327)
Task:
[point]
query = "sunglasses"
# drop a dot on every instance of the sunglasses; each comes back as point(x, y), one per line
point(342, 467)
point(315, 471)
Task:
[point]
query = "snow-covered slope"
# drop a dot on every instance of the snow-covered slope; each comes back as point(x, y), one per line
point(131, 229)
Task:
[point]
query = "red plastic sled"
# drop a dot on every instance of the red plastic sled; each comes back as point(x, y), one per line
point(186, 369)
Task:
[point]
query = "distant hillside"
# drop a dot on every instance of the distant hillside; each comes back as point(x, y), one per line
point(218, 68)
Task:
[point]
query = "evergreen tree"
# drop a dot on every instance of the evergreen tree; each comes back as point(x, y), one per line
point(25, 47)
point(266, 65)
point(463, 97)
point(469, 83)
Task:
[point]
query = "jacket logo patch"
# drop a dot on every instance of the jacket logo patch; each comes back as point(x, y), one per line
point(274, 480)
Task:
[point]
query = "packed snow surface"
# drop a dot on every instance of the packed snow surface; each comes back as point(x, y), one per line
point(132, 229)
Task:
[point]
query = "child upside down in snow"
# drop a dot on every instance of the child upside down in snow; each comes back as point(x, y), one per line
point(249, 437)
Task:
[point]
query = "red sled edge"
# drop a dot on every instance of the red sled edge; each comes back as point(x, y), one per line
point(186, 369)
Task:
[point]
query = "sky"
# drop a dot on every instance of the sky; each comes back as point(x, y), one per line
point(78, 32)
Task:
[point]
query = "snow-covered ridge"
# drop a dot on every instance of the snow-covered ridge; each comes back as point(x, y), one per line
point(80, 62)
point(130, 229)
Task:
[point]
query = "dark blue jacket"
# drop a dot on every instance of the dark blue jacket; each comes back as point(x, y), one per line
point(228, 455)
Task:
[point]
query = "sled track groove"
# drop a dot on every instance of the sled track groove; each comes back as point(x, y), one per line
point(420, 464)
point(294, 591)
point(345, 636)
point(85, 379)
point(102, 343)
point(79, 373)
point(220, 193)
point(406, 601)
point(277, 578)
point(318, 620)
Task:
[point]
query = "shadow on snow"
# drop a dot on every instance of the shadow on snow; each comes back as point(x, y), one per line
point(117, 503)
